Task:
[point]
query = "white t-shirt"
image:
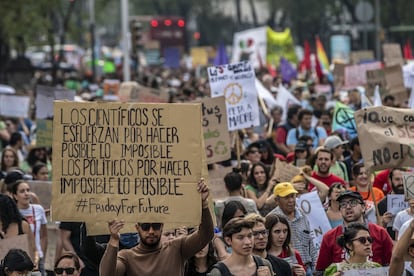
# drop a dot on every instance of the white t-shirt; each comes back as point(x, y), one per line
point(35, 216)
point(400, 219)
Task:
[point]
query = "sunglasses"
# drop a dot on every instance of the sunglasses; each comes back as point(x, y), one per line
point(68, 270)
point(363, 240)
point(147, 226)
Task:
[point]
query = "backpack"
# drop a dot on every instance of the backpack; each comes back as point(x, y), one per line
point(315, 129)
point(224, 271)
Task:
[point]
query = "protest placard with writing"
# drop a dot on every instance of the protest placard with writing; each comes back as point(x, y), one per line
point(355, 75)
point(396, 203)
point(138, 162)
point(395, 83)
point(385, 136)
point(216, 134)
point(45, 95)
point(408, 181)
point(374, 78)
point(284, 172)
point(14, 106)
point(392, 54)
point(361, 56)
point(310, 204)
point(236, 82)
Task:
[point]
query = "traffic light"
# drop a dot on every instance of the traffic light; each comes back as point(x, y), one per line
point(136, 35)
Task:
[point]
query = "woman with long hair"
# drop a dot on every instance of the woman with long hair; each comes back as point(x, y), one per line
point(201, 262)
point(357, 242)
point(260, 188)
point(69, 264)
point(332, 212)
point(12, 224)
point(9, 160)
point(40, 172)
point(16, 262)
point(278, 243)
point(36, 217)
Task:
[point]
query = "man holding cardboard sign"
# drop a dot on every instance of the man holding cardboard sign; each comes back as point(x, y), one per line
point(150, 257)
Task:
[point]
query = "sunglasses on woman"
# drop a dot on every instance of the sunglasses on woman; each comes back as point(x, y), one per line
point(68, 270)
point(147, 226)
point(363, 240)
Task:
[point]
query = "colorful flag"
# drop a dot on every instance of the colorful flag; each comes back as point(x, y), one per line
point(287, 71)
point(343, 119)
point(221, 56)
point(306, 64)
point(323, 59)
point(280, 44)
point(407, 50)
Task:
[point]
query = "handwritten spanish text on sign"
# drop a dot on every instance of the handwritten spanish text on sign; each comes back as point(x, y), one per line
point(139, 162)
point(396, 203)
point(236, 82)
point(408, 181)
point(216, 134)
point(386, 137)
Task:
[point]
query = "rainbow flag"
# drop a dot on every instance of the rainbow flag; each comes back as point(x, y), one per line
point(323, 59)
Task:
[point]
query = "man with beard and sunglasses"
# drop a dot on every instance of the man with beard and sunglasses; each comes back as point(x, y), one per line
point(150, 256)
point(352, 208)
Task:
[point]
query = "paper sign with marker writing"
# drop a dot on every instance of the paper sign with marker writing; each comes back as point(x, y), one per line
point(138, 162)
point(408, 181)
point(236, 82)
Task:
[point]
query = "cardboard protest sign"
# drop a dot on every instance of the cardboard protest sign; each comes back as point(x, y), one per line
point(20, 241)
point(374, 78)
point(361, 56)
point(339, 75)
point(44, 133)
point(14, 106)
point(216, 134)
point(236, 82)
point(138, 162)
point(392, 54)
point(356, 75)
point(408, 181)
point(284, 172)
point(385, 136)
point(311, 205)
point(395, 83)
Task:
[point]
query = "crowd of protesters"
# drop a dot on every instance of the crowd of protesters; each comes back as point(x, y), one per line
point(259, 227)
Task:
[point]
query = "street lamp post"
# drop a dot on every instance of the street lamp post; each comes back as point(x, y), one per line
point(125, 40)
point(92, 33)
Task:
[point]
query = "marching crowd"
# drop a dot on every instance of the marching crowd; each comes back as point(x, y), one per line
point(259, 227)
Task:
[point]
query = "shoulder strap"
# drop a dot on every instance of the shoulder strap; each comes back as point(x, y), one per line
point(341, 165)
point(315, 129)
point(297, 134)
point(20, 228)
point(224, 271)
point(258, 260)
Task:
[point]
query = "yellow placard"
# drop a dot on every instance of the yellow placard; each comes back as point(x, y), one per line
point(137, 162)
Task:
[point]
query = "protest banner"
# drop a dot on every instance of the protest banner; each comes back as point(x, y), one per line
point(385, 136)
point(356, 75)
point(311, 205)
point(236, 82)
point(250, 45)
point(138, 162)
point(408, 181)
point(396, 203)
point(361, 56)
point(378, 271)
point(392, 54)
point(20, 241)
point(14, 106)
point(284, 172)
point(374, 78)
point(216, 134)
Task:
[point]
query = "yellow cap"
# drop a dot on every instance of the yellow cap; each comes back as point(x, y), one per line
point(284, 189)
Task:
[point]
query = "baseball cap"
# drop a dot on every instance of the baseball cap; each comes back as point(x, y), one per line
point(352, 194)
point(333, 141)
point(284, 189)
point(301, 145)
